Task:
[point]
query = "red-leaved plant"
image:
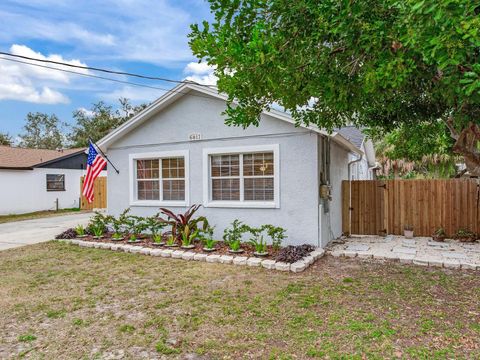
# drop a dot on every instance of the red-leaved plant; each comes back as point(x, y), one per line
point(185, 222)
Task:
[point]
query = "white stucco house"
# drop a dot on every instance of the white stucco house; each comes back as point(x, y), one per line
point(38, 179)
point(363, 166)
point(178, 152)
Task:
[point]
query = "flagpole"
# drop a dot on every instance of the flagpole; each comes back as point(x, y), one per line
point(105, 156)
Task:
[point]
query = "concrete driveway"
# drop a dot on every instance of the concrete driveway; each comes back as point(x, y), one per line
point(26, 232)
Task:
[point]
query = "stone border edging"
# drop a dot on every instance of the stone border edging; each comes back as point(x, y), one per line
point(296, 267)
point(405, 259)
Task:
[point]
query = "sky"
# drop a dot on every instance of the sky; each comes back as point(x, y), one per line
point(139, 36)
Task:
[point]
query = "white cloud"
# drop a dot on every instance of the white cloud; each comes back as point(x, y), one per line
point(31, 83)
point(141, 30)
point(201, 73)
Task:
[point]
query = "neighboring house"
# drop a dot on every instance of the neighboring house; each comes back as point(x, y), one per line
point(178, 152)
point(365, 168)
point(38, 179)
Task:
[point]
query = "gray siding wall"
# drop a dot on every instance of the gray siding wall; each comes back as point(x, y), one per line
point(169, 130)
point(338, 172)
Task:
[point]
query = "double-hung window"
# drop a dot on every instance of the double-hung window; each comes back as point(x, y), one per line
point(241, 177)
point(159, 178)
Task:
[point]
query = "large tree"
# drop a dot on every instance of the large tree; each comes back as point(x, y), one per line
point(376, 63)
point(42, 131)
point(100, 120)
point(5, 139)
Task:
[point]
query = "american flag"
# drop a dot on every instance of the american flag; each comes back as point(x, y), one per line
point(95, 165)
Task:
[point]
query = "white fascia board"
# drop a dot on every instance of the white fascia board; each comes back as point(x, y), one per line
point(183, 89)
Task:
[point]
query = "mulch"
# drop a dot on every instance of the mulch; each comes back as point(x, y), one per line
point(220, 247)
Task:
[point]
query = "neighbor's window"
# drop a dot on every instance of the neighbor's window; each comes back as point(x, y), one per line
point(160, 179)
point(55, 182)
point(242, 177)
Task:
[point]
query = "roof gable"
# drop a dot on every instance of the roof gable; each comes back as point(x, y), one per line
point(184, 89)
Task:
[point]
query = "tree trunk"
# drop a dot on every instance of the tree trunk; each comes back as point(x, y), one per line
point(466, 144)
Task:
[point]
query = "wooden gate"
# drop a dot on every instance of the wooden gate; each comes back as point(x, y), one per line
point(372, 207)
point(100, 194)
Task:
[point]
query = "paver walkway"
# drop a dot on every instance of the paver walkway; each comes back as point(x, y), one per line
point(20, 233)
point(420, 250)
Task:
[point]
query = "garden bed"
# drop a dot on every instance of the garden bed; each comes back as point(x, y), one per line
point(192, 255)
point(260, 245)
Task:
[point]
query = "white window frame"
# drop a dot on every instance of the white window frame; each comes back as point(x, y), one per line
point(207, 179)
point(153, 156)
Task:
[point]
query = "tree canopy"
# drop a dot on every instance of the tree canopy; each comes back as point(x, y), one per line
point(385, 64)
point(5, 139)
point(99, 121)
point(42, 131)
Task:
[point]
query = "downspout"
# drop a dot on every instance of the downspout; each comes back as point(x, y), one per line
point(350, 194)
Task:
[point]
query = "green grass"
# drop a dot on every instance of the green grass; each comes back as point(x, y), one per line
point(35, 215)
point(72, 302)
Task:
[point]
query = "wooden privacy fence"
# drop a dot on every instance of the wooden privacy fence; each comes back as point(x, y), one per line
point(100, 194)
point(386, 206)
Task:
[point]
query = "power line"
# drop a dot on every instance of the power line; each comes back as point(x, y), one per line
point(105, 78)
point(104, 70)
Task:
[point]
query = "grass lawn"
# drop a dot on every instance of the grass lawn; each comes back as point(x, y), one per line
point(35, 215)
point(63, 301)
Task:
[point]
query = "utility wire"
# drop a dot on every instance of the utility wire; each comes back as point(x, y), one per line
point(104, 70)
point(106, 78)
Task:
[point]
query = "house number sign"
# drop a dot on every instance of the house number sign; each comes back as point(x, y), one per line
point(194, 136)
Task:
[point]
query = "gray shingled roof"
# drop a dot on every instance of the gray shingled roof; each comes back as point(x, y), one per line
point(352, 134)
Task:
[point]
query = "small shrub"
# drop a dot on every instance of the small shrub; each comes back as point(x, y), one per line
point(257, 240)
point(207, 237)
point(291, 254)
point(155, 226)
point(188, 235)
point(80, 230)
point(136, 225)
point(465, 235)
point(170, 240)
point(277, 234)
point(179, 222)
point(98, 224)
point(67, 234)
point(157, 238)
point(118, 223)
point(439, 235)
point(232, 236)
